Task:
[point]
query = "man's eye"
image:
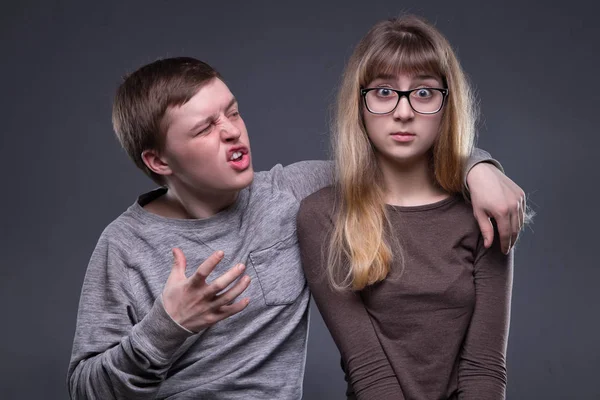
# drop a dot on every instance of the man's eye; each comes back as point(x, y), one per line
point(205, 130)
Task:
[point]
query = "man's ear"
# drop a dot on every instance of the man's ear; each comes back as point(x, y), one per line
point(156, 163)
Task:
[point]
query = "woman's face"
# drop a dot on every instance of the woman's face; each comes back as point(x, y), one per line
point(403, 136)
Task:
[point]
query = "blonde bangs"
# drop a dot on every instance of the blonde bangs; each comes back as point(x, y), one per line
point(407, 53)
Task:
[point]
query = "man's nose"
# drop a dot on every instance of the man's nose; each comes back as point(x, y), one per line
point(229, 131)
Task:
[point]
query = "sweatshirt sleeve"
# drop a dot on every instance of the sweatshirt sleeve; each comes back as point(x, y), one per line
point(114, 355)
point(306, 177)
point(482, 364)
point(476, 157)
point(302, 178)
point(368, 371)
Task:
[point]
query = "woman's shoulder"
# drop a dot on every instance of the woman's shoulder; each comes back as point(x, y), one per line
point(322, 203)
point(458, 212)
point(320, 198)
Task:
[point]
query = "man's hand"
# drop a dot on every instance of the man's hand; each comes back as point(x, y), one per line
point(193, 303)
point(494, 195)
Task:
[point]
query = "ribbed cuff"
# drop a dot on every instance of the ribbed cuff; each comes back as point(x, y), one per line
point(162, 303)
point(158, 333)
point(478, 156)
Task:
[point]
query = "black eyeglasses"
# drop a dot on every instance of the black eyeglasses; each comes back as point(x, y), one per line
point(384, 100)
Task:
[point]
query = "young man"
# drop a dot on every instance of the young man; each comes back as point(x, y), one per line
point(145, 330)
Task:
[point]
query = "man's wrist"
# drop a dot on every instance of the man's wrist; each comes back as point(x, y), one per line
point(162, 303)
point(479, 168)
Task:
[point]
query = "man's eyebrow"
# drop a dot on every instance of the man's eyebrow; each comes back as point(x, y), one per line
point(204, 121)
point(231, 103)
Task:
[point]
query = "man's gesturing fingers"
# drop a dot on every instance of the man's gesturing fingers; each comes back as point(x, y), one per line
point(232, 293)
point(216, 298)
point(230, 309)
point(199, 277)
point(224, 280)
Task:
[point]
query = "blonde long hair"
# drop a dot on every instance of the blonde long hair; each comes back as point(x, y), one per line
point(359, 251)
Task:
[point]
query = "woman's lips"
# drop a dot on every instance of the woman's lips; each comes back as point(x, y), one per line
point(403, 136)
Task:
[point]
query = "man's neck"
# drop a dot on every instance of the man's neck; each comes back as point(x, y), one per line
point(410, 183)
point(183, 204)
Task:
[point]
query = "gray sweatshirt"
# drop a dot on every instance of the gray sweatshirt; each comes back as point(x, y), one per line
point(127, 347)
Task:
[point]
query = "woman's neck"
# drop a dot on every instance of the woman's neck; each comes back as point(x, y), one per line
point(410, 183)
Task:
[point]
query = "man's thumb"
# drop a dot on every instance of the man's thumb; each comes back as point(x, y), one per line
point(179, 264)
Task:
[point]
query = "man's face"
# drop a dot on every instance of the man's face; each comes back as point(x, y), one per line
point(207, 146)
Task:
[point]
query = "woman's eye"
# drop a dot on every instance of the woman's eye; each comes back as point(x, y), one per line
point(384, 92)
point(423, 93)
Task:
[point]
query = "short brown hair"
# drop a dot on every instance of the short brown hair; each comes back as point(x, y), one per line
point(145, 95)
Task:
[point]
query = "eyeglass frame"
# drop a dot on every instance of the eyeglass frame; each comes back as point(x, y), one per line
point(401, 94)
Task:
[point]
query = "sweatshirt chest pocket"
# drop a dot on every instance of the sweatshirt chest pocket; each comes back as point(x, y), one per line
point(279, 271)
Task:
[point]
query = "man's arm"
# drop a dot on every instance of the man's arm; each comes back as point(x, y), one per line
point(302, 178)
point(116, 356)
point(494, 195)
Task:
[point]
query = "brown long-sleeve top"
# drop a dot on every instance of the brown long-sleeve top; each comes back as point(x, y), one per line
point(435, 329)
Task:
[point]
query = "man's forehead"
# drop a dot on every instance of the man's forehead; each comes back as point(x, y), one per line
point(214, 93)
point(209, 100)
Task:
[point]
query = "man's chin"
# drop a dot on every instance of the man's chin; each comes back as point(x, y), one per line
point(246, 178)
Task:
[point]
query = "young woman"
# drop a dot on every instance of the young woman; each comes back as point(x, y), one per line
point(393, 255)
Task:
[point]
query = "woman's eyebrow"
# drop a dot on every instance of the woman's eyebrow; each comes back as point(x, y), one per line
point(386, 77)
point(425, 77)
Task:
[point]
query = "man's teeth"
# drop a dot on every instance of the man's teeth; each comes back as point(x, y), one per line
point(235, 156)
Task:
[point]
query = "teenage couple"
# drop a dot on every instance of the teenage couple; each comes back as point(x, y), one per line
point(200, 289)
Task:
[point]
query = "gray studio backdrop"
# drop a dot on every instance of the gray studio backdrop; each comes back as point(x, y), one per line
point(535, 68)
